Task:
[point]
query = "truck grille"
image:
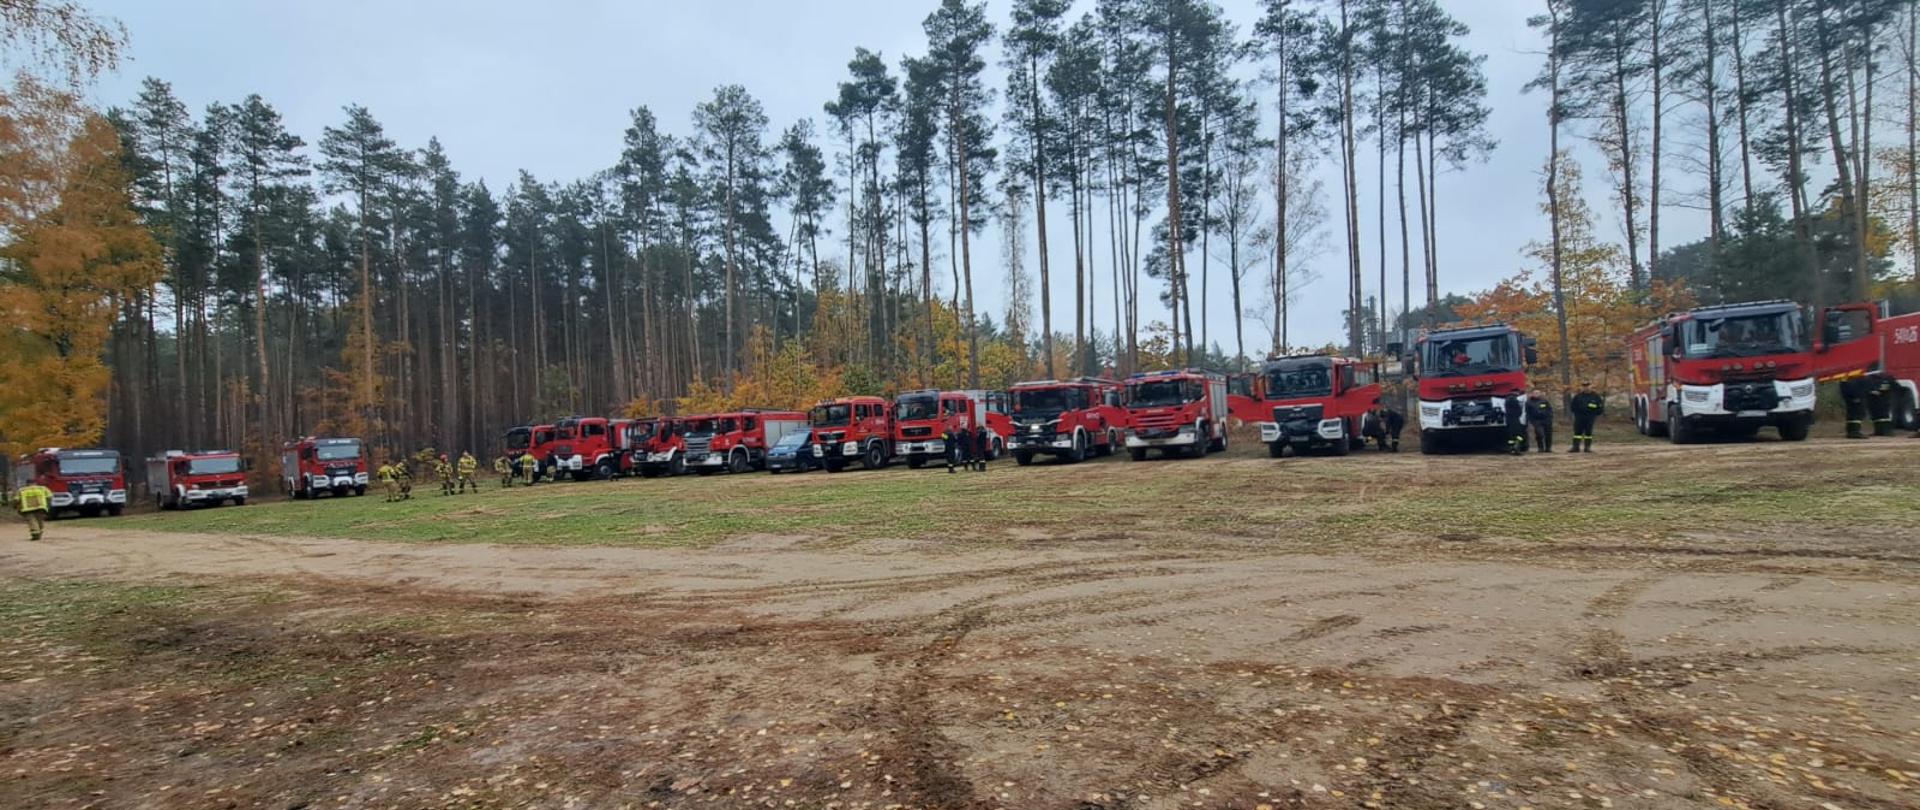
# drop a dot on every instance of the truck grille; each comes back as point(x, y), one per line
point(1298, 413)
point(1753, 396)
point(916, 432)
point(1037, 430)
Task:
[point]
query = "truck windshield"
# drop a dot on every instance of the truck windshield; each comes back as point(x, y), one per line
point(1048, 400)
point(89, 465)
point(1486, 354)
point(1305, 378)
point(519, 438)
point(1163, 393)
point(213, 466)
point(1743, 335)
point(700, 426)
point(830, 415)
point(641, 431)
point(920, 407)
point(343, 451)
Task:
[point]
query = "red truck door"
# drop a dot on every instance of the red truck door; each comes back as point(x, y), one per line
point(1845, 344)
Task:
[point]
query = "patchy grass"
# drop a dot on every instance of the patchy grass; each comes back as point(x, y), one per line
point(1635, 488)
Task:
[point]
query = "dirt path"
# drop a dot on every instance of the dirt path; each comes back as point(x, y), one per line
point(1745, 670)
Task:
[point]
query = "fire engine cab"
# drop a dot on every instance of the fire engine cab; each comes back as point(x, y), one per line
point(1313, 402)
point(920, 418)
point(590, 447)
point(1066, 419)
point(1181, 411)
point(534, 440)
point(85, 481)
point(178, 479)
point(1737, 368)
point(1465, 376)
point(852, 428)
point(311, 466)
point(662, 450)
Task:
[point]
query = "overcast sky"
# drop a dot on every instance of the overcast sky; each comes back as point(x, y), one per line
point(547, 87)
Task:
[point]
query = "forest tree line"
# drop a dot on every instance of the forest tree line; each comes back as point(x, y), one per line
point(341, 282)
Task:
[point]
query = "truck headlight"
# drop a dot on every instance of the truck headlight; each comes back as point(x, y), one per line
point(1800, 390)
point(1696, 396)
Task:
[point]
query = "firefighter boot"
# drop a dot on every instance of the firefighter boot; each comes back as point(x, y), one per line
point(1853, 429)
point(1396, 445)
point(1883, 427)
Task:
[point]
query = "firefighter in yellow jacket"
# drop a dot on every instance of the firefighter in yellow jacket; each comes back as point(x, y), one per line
point(390, 481)
point(467, 465)
point(36, 502)
point(444, 471)
point(529, 468)
point(503, 468)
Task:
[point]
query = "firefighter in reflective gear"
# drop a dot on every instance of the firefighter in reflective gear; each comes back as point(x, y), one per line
point(1853, 392)
point(1516, 413)
point(468, 464)
point(503, 468)
point(982, 447)
point(1540, 417)
point(1383, 425)
point(443, 471)
point(390, 481)
point(956, 443)
point(529, 468)
point(36, 503)
point(404, 475)
point(1587, 406)
point(1881, 393)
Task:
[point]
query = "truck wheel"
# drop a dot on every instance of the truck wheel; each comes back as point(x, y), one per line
point(874, 458)
point(1276, 449)
point(1678, 431)
point(359, 491)
point(1343, 445)
point(1079, 451)
point(1795, 430)
point(1905, 416)
point(604, 470)
point(1640, 420)
point(1113, 441)
point(115, 510)
point(737, 461)
point(1430, 444)
point(1137, 453)
point(678, 466)
point(239, 501)
point(1218, 445)
point(915, 462)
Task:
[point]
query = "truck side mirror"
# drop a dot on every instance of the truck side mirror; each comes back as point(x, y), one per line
point(1533, 356)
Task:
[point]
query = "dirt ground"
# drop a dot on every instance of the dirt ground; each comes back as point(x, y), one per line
point(1739, 665)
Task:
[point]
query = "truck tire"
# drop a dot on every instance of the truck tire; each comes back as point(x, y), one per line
point(1905, 415)
point(1795, 430)
point(1678, 431)
point(1431, 444)
point(875, 457)
point(1276, 449)
point(1137, 453)
point(239, 501)
point(605, 470)
point(1023, 458)
point(359, 491)
point(1218, 445)
point(115, 510)
point(1343, 445)
point(678, 466)
point(737, 462)
point(1079, 451)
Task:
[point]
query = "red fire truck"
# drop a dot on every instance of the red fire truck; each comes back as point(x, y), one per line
point(178, 479)
point(852, 428)
point(1314, 402)
point(1900, 363)
point(1067, 419)
point(660, 447)
point(921, 418)
point(736, 442)
point(535, 440)
point(591, 447)
point(1736, 368)
point(1465, 375)
point(1181, 411)
point(85, 481)
point(312, 465)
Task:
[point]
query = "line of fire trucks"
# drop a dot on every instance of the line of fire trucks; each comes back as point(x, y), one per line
point(1729, 370)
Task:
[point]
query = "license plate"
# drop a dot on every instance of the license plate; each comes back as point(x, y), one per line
point(1751, 414)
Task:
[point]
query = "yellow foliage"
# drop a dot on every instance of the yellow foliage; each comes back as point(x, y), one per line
point(71, 263)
